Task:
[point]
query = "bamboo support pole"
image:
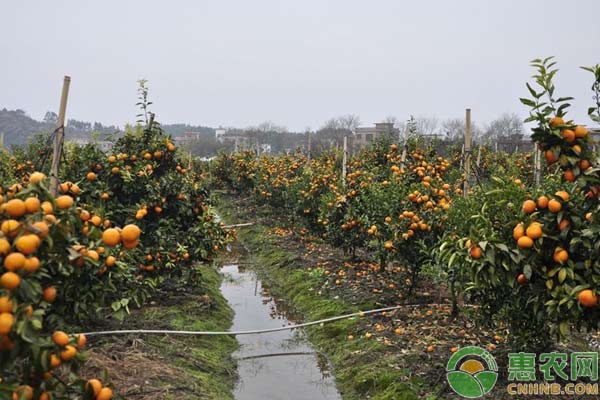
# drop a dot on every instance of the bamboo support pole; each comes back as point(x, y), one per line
point(59, 137)
point(467, 154)
point(404, 148)
point(308, 145)
point(344, 160)
point(538, 166)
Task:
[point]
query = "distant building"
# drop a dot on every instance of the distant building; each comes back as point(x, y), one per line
point(103, 145)
point(187, 138)
point(219, 134)
point(430, 137)
point(363, 136)
point(265, 148)
point(240, 139)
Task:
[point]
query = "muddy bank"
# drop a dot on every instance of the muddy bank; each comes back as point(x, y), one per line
point(171, 367)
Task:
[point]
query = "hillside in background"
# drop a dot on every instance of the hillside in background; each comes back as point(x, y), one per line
point(18, 127)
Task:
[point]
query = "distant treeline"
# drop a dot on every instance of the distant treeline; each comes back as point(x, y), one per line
point(18, 127)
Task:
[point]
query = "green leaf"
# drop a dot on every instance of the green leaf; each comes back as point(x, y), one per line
point(527, 102)
point(563, 328)
point(527, 271)
point(562, 275)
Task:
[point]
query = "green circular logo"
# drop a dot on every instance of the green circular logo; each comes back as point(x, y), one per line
point(472, 372)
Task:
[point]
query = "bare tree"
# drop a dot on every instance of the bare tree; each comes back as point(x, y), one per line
point(455, 128)
point(334, 129)
point(269, 126)
point(427, 125)
point(396, 123)
point(349, 122)
point(51, 117)
point(507, 125)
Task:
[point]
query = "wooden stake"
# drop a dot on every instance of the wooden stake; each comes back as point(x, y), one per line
point(59, 137)
point(308, 145)
point(479, 156)
point(467, 168)
point(344, 160)
point(1, 140)
point(538, 166)
point(404, 148)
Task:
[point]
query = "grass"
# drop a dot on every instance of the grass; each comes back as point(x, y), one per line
point(174, 367)
point(363, 368)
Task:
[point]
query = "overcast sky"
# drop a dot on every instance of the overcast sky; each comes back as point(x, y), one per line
point(296, 63)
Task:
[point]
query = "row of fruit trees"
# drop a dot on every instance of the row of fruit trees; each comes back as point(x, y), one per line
point(124, 222)
point(527, 256)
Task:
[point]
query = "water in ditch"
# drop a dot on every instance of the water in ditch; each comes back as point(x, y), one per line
point(272, 366)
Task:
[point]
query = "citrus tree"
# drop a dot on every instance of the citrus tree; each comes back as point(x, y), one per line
point(530, 258)
point(37, 253)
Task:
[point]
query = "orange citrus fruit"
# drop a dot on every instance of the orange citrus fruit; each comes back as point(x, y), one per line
point(554, 206)
point(63, 202)
point(556, 121)
point(15, 208)
point(95, 386)
point(568, 135)
point(4, 246)
point(569, 175)
point(560, 255)
point(10, 227)
point(36, 177)
point(529, 206)
point(32, 205)
point(565, 196)
point(550, 156)
point(47, 207)
point(14, 261)
point(32, 264)
point(475, 252)
point(105, 394)
point(525, 242)
point(28, 244)
point(41, 229)
point(10, 281)
point(5, 305)
point(581, 131)
point(130, 233)
point(587, 298)
point(6, 323)
point(60, 338)
point(49, 294)
point(522, 279)
point(111, 237)
point(68, 353)
point(534, 230)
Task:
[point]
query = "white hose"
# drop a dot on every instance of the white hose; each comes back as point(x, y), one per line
point(236, 333)
point(238, 225)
